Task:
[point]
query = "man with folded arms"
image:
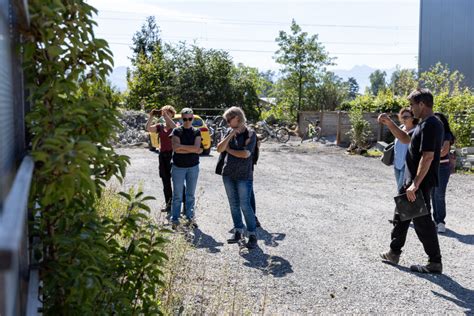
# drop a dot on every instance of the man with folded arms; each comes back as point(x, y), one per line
point(422, 164)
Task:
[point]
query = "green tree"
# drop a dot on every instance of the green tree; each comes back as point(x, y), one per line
point(302, 58)
point(146, 40)
point(403, 81)
point(329, 93)
point(440, 79)
point(353, 88)
point(89, 264)
point(377, 81)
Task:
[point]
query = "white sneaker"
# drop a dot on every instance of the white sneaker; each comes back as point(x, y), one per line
point(441, 228)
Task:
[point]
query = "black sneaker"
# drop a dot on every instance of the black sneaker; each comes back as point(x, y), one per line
point(191, 223)
point(237, 237)
point(431, 267)
point(390, 257)
point(252, 243)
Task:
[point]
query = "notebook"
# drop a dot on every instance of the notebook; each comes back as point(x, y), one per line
point(409, 210)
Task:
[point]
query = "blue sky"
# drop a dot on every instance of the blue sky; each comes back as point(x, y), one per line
point(377, 33)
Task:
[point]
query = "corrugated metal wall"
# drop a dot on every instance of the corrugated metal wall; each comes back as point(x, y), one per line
point(447, 36)
point(12, 135)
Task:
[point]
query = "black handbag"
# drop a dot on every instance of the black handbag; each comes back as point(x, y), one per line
point(388, 154)
point(409, 210)
point(220, 162)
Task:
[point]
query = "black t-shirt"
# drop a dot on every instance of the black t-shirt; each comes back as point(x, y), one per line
point(187, 137)
point(447, 137)
point(427, 136)
point(240, 168)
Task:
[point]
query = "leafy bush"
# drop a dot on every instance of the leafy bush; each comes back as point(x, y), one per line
point(360, 129)
point(90, 264)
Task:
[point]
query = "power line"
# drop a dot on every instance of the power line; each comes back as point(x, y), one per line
point(215, 39)
point(270, 51)
point(267, 23)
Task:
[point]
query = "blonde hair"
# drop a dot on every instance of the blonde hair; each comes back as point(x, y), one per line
point(233, 112)
point(169, 108)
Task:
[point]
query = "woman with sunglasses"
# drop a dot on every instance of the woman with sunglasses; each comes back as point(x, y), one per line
point(405, 116)
point(186, 141)
point(438, 195)
point(237, 174)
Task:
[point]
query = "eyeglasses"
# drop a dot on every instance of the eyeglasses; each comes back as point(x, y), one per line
point(406, 117)
point(230, 119)
point(187, 119)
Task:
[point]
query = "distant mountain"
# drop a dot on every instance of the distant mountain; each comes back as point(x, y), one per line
point(119, 78)
point(361, 73)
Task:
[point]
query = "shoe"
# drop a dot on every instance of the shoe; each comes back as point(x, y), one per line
point(431, 267)
point(390, 257)
point(174, 225)
point(441, 228)
point(257, 222)
point(237, 237)
point(191, 223)
point(252, 243)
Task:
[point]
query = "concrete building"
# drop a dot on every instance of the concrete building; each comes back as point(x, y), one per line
point(447, 36)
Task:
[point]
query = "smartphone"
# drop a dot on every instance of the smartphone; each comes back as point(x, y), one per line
point(156, 112)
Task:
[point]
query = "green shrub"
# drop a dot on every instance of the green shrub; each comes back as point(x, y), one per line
point(360, 129)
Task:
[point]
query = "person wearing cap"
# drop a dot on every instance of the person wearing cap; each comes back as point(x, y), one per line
point(186, 143)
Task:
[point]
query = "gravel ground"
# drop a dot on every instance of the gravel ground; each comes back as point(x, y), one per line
point(324, 215)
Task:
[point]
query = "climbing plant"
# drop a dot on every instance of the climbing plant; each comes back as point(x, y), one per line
point(90, 263)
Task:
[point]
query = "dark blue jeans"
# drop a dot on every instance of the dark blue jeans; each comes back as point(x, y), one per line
point(438, 195)
point(239, 194)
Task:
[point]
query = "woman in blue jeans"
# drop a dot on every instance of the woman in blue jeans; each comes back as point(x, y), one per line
point(405, 116)
point(438, 195)
point(186, 141)
point(237, 174)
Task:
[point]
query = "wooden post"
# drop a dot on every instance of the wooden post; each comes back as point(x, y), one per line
point(338, 129)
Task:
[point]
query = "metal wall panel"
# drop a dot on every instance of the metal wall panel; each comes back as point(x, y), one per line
point(7, 106)
point(447, 36)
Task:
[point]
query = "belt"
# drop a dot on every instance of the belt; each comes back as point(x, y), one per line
point(444, 161)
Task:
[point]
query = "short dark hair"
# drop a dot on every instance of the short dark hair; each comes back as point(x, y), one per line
point(422, 95)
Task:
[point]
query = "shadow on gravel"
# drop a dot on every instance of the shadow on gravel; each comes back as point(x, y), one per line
point(202, 240)
point(270, 239)
point(466, 239)
point(463, 297)
point(273, 265)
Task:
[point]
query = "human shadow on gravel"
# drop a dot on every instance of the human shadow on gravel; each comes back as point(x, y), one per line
point(465, 239)
point(463, 297)
point(273, 265)
point(202, 240)
point(270, 239)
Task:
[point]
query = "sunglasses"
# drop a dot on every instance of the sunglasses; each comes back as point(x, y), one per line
point(406, 117)
point(187, 119)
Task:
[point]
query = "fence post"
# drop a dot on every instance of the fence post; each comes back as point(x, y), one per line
point(321, 117)
point(338, 128)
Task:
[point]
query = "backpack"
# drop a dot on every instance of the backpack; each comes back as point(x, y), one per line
point(256, 151)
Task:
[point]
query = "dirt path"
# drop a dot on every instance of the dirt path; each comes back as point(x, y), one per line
point(324, 217)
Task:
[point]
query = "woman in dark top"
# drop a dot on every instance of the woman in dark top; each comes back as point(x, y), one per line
point(438, 195)
point(237, 173)
point(166, 149)
point(186, 141)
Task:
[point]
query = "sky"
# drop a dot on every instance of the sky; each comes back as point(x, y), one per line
point(377, 33)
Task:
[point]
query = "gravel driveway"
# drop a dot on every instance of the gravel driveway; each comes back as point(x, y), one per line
point(324, 215)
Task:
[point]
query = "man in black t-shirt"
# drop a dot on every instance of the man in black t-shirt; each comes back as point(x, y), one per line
point(421, 173)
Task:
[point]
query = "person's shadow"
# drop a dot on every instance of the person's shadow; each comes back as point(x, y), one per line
point(463, 297)
point(274, 265)
point(202, 240)
point(466, 239)
point(270, 239)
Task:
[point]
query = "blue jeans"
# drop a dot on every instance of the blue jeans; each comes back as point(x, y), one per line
point(182, 176)
point(438, 195)
point(399, 177)
point(252, 201)
point(239, 193)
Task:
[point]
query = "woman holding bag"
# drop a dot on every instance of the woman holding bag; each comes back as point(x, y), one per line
point(236, 150)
